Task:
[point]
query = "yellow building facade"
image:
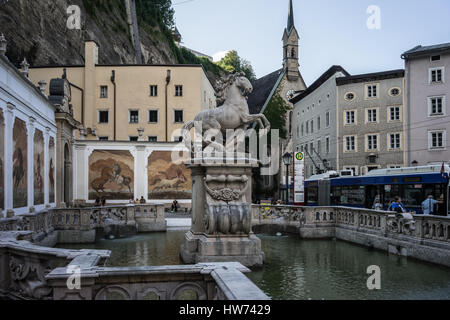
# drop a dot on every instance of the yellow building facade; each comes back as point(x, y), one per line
point(131, 102)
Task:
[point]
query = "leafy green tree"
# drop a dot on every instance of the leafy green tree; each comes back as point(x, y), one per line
point(233, 63)
point(276, 113)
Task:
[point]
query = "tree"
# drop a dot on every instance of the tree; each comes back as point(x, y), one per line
point(276, 111)
point(232, 63)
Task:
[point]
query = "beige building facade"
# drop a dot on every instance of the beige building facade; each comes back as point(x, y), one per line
point(131, 102)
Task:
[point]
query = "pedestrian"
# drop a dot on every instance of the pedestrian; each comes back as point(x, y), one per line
point(377, 203)
point(397, 206)
point(428, 205)
point(174, 206)
point(103, 202)
point(142, 201)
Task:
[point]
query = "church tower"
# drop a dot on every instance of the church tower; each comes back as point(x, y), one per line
point(290, 48)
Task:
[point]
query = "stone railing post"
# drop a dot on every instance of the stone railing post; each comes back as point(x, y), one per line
point(131, 215)
point(160, 211)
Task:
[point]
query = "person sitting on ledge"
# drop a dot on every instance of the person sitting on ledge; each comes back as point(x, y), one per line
point(175, 206)
point(142, 201)
point(98, 202)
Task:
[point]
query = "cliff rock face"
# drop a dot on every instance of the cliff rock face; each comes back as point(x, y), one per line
point(37, 30)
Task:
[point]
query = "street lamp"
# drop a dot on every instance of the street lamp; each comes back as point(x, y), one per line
point(287, 160)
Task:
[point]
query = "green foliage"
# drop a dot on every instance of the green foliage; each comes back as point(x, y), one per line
point(233, 63)
point(156, 13)
point(276, 113)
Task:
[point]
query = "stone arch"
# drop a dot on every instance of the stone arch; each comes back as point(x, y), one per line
point(194, 287)
point(113, 293)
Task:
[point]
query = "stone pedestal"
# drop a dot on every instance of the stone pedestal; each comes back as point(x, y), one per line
point(221, 215)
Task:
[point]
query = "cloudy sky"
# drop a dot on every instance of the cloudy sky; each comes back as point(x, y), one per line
point(331, 31)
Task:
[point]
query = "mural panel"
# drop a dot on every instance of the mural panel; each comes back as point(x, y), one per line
point(51, 170)
point(20, 171)
point(38, 167)
point(2, 161)
point(111, 175)
point(168, 180)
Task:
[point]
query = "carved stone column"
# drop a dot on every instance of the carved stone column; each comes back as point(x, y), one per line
point(221, 216)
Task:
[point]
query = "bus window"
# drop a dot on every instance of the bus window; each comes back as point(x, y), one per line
point(313, 195)
point(412, 195)
point(390, 192)
point(353, 195)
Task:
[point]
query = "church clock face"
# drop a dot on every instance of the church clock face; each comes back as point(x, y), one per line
point(290, 94)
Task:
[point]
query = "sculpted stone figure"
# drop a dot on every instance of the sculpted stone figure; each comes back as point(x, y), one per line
point(232, 113)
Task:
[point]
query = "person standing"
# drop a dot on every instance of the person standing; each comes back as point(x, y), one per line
point(428, 205)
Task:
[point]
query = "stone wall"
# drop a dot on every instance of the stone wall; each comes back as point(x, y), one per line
point(428, 239)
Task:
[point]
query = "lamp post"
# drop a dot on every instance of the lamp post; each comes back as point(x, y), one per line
point(287, 160)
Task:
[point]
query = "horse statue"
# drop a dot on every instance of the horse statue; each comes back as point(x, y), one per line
point(232, 113)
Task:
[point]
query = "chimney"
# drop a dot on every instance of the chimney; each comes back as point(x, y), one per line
point(3, 44)
point(43, 86)
point(25, 67)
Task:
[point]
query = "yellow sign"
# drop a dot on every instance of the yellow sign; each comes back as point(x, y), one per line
point(299, 156)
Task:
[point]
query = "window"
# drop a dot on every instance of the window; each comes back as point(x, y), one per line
point(327, 145)
point(103, 92)
point(311, 147)
point(350, 96)
point(134, 138)
point(318, 123)
point(350, 143)
point(435, 58)
point(103, 116)
point(394, 114)
point(153, 116)
point(436, 106)
point(178, 91)
point(134, 116)
point(372, 142)
point(306, 148)
point(327, 119)
point(312, 126)
point(350, 117)
point(103, 138)
point(152, 139)
point(394, 92)
point(153, 91)
point(178, 116)
point(319, 146)
point(302, 129)
point(394, 166)
point(371, 91)
point(436, 75)
point(394, 141)
point(307, 127)
point(371, 115)
point(437, 139)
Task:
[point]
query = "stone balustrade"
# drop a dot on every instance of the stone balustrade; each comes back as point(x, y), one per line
point(422, 237)
point(28, 271)
point(212, 281)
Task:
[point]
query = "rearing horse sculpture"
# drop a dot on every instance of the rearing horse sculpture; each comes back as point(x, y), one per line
point(232, 114)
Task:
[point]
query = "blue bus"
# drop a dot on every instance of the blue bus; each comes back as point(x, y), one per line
point(413, 185)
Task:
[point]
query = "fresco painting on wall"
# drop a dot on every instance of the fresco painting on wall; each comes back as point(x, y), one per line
point(111, 175)
point(20, 193)
point(51, 170)
point(168, 180)
point(38, 167)
point(2, 159)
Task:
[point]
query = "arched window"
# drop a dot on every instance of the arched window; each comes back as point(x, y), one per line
point(293, 52)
